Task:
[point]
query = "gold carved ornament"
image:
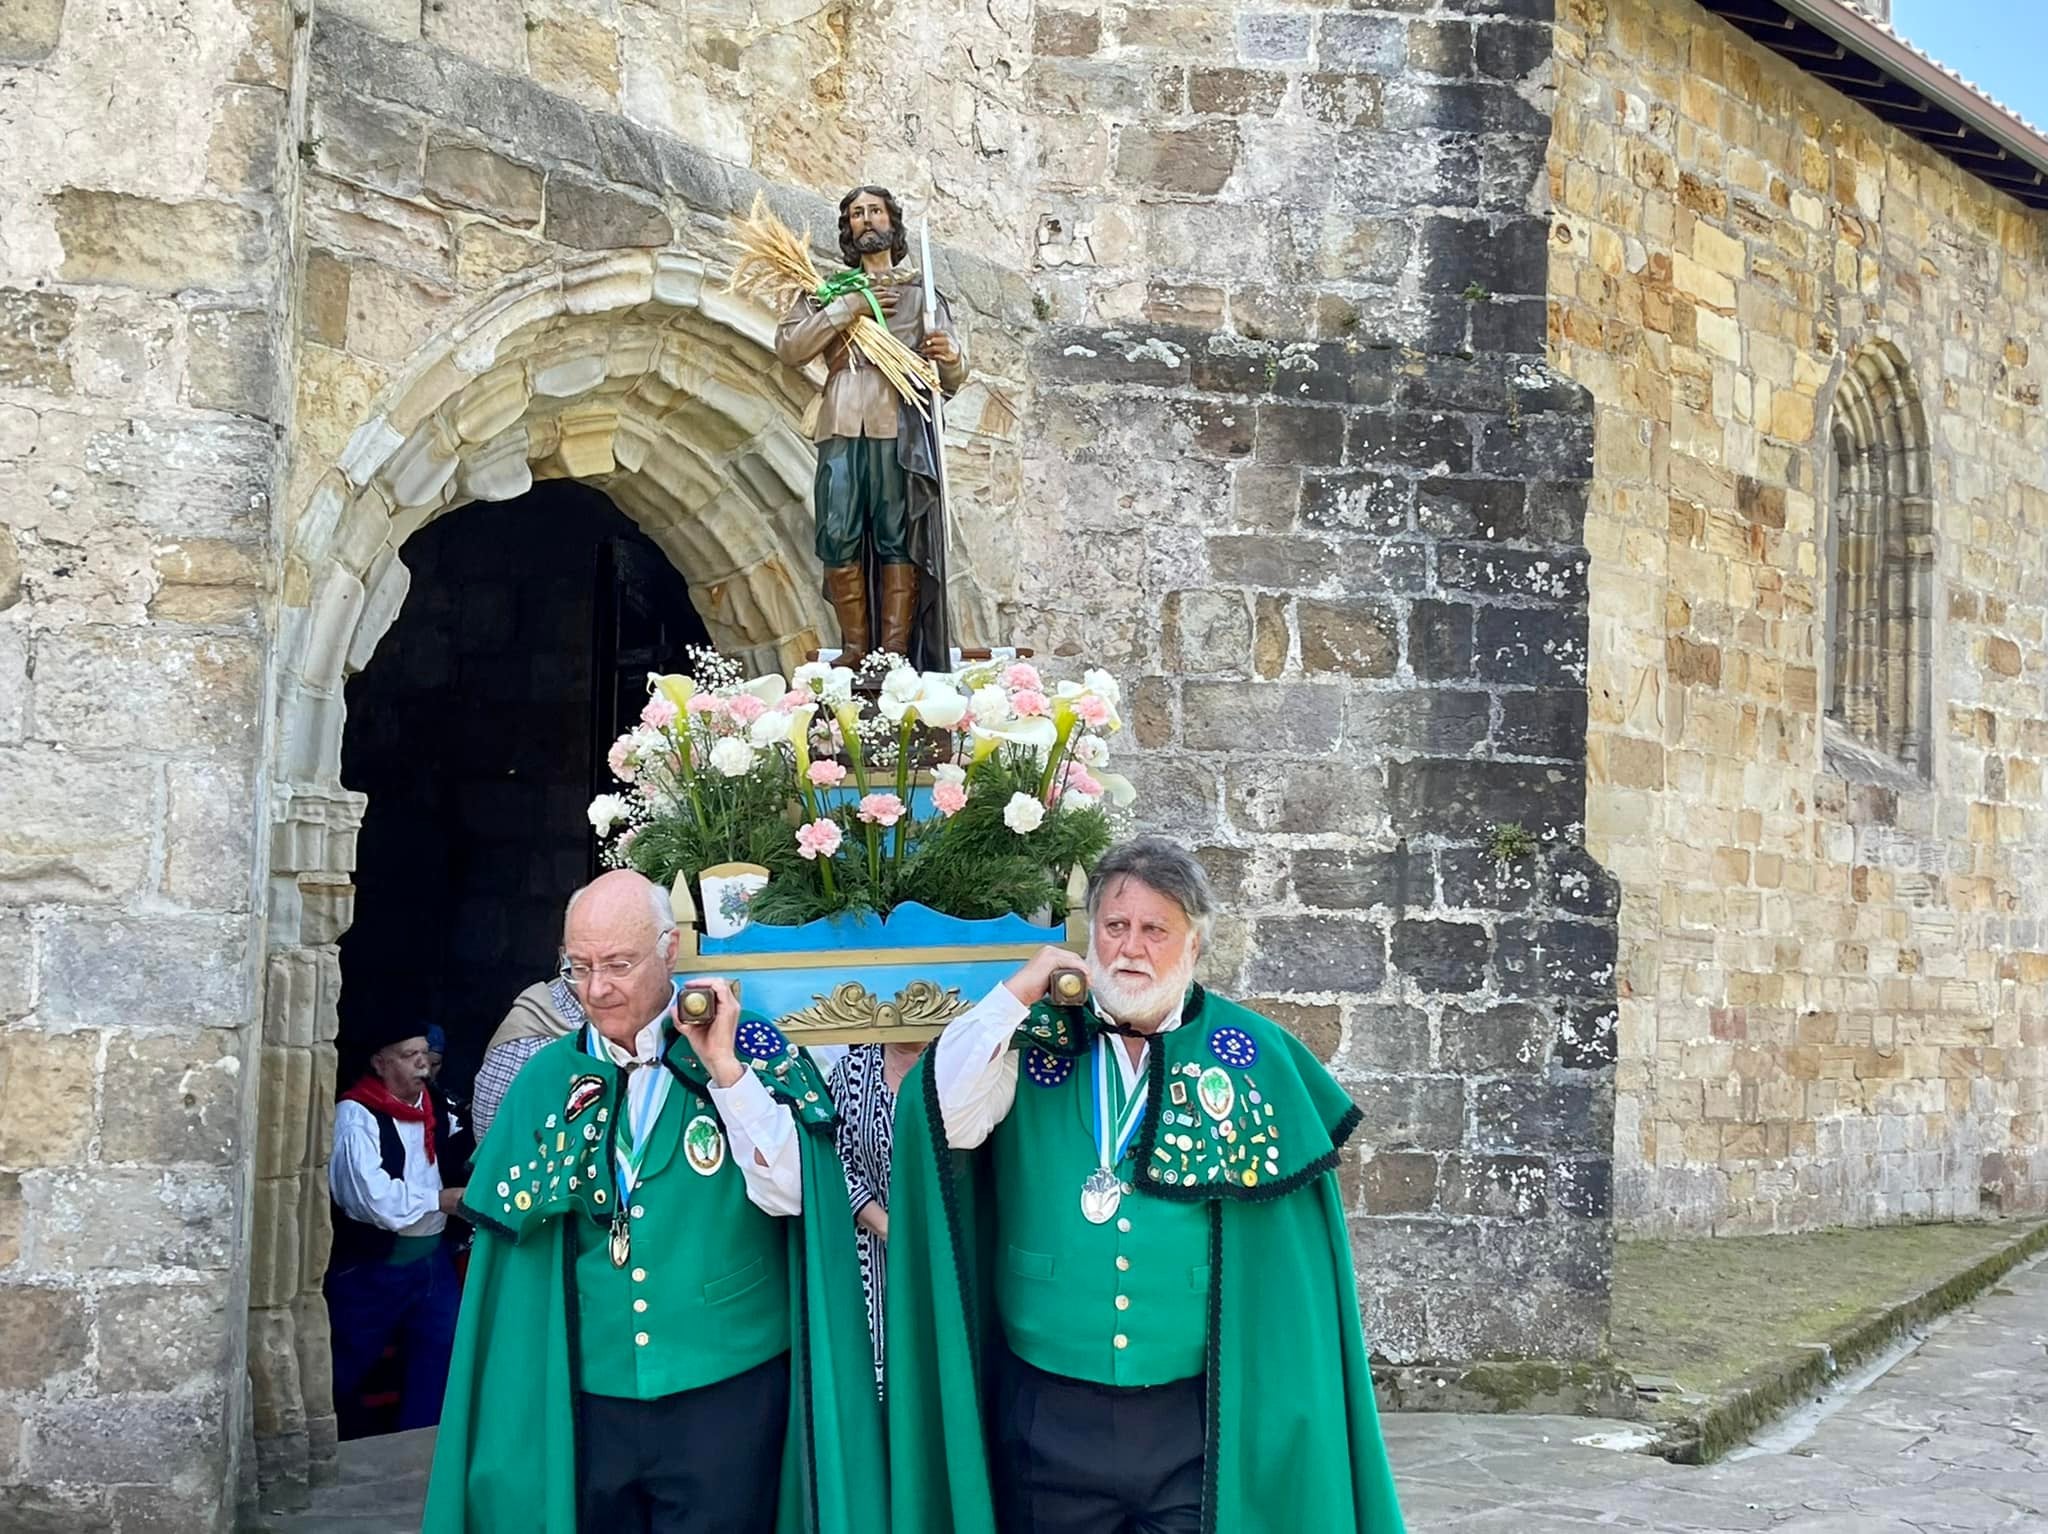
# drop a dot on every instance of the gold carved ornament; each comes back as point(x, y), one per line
point(852, 1014)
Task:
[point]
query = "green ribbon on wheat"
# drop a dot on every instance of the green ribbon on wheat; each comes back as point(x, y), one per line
point(852, 281)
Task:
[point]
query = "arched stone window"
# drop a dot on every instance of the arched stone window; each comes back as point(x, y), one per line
point(1880, 618)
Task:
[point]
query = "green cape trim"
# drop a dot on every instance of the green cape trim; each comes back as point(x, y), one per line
point(1293, 1429)
point(506, 1455)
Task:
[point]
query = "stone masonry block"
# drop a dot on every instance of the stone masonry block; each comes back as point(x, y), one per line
point(1294, 954)
point(1192, 162)
point(115, 1218)
point(1292, 718)
point(1341, 880)
point(1466, 799)
point(139, 1441)
point(1410, 1112)
point(209, 836)
point(176, 692)
point(44, 1336)
point(359, 140)
point(1328, 796)
point(156, 971)
point(162, 1338)
point(285, 1113)
point(587, 215)
point(63, 844)
point(232, 362)
point(34, 327)
point(140, 242)
point(1442, 956)
point(179, 1095)
point(462, 175)
point(46, 1096)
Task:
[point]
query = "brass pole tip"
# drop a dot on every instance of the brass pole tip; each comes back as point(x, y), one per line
point(697, 1003)
point(1069, 987)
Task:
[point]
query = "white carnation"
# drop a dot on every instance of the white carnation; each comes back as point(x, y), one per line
point(991, 705)
point(1092, 750)
point(1023, 814)
point(606, 811)
point(732, 757)
point(949, 772)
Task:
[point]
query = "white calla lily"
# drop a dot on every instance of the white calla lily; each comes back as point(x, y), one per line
point(771, 729)
point(769, 688)
point(940, 703)
point(899, 691)
point(1039, 734)
point(833, 684)
point(1116, 788)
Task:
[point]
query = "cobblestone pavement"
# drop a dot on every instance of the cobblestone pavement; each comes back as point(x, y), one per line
point(1949, 1441)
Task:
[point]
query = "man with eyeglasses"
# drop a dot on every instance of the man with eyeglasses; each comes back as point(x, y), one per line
point(654, 1339)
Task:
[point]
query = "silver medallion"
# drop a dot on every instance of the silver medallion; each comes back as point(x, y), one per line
point(1100, 1195)
point(622, 1240)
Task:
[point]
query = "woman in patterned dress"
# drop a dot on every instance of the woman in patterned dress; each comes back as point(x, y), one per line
point(864, 1086)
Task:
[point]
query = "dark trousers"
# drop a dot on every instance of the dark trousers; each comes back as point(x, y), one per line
point(698, 1462)
point(414, 1304)
point(1077, 1458)
point(860, 493)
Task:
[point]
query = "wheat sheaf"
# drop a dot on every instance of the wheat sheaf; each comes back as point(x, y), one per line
point(775, 267)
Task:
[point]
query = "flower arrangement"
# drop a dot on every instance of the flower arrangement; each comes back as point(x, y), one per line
point(975, 792)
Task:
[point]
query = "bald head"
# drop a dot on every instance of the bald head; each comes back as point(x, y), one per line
point(619, 935)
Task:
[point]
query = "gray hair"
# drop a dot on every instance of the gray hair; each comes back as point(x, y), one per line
point(658, 903)
point(1166, 868)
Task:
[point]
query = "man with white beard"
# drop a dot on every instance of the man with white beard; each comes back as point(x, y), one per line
point(1121, 1296)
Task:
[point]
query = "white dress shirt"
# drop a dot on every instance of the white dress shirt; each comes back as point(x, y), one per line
point(977, 1070)
point(762, 1130)
point(410, 1205)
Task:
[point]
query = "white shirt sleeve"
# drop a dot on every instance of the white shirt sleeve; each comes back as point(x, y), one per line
point(757, 1123)
point(976, 1069)
point(357, 1178)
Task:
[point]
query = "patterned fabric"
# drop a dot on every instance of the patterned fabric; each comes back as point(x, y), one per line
point(494, 1079)
point(867, 1125)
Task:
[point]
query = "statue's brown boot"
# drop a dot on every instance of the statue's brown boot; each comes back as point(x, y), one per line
point(899, 607)
point(846, 587)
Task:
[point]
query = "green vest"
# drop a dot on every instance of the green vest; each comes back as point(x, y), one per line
point(1122, 1303)
point(704, 1294)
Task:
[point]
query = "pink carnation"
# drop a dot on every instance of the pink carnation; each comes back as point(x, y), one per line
point(796, 698)
point(881, 809)
point(625, 840)
point(659, 713)
point(745, 707)
point(702, 703)
point(1079, 780)
point(817, 838)
point(949, 799)
point(1092, 710)
point(616, 759)
point(1022, 676)
point(827, 774)
point(1028, 703)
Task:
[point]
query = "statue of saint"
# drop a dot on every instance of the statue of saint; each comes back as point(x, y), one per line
point(881, 521)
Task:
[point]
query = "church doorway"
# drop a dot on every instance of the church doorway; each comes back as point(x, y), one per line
point(478, 733)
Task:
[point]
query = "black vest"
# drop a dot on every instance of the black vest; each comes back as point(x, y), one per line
point(356, 1242)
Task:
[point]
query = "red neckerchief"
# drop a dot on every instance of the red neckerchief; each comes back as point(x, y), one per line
point(375, 1096)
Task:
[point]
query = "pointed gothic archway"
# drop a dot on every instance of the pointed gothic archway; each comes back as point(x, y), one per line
point(631, 373)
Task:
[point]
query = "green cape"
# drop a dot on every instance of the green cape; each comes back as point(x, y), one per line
point(505, 1458)
point(1294, 1439)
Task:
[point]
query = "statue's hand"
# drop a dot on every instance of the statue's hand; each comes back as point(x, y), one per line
point(940, 348)
point(887, 297)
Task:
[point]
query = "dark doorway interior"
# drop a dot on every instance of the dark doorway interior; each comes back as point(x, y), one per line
point(479, 732)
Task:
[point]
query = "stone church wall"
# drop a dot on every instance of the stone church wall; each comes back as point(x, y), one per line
point(1831, 977)
point(1263, 425)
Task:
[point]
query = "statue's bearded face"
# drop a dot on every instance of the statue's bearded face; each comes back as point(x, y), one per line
point(871, 224)
point(868, 217)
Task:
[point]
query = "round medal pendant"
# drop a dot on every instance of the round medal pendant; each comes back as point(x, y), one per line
point(1216, 1092)
point(704, 1145)
point(1100, 1195)
point(622, 1242)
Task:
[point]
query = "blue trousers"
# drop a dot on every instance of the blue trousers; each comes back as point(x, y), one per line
point(375, 1303)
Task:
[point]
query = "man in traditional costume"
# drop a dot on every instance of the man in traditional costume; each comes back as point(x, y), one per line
point(881, 527)
point(1121, 1297)
point(390, 1278)
point(656, 1337)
